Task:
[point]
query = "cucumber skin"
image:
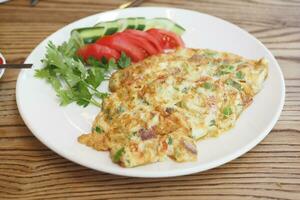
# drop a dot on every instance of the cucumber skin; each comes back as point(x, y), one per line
point(89, 30)
point(138, 23)
point(164, 23)
point(111, 31)
point(141, 27)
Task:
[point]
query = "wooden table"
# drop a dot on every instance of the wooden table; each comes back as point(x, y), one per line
point(29, 170)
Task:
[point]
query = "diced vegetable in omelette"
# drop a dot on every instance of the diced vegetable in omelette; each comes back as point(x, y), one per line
point(160, 107)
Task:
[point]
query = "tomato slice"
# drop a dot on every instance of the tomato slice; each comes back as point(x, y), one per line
point(1, 61)
point(141, 42)
point(97, 51)
point(147, 36)
point(167, 39)
point(121, 43)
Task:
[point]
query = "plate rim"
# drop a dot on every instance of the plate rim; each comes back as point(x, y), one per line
point(2, 70)
point(177, 172)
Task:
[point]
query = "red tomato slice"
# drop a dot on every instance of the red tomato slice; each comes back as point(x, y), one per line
point(97, 51)
point(147, 36)
point(141, 43)
point(121, 43)
point(1, 61)
point(167, 39)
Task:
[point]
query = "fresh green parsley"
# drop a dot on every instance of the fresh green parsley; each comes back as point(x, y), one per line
point(124, 61)
point(98, 129)
point(118, 154)
point(69, 48)
point(71, 78)
point(170, 141)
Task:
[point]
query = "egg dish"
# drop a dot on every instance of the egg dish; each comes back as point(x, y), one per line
point(160, 107)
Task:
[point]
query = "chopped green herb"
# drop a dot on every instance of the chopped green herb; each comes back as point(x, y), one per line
point(118, 154)
point(176, 88)
point(240, 75)
point(227, 111)
point(179, 104)
point(98, 129)
point(120, 109)
point(124, 61)
point(170, 141)
point(112, 64)
point(234, 84)
point(225, 69)
point(132, 135)
point(207, 85)
point(212, 122)
point(146, 102)
point(210, 53)
point(229, 68)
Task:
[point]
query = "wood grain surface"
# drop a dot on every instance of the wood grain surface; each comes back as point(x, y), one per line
point(29, 170)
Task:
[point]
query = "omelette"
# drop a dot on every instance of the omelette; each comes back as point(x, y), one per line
point(160, 107)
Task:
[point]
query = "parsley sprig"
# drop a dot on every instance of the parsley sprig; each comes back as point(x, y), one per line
point(71, 78)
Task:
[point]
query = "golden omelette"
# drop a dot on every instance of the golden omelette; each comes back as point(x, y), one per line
point(161, 106)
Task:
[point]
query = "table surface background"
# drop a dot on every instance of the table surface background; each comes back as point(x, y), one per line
point(29, 170)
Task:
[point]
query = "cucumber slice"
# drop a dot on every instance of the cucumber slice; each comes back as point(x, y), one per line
point(126, 23)
point(131, 23)
point(89, 34)
point(164, 23)
point(110, 27)
point(140, 23)
point(179, 30)
point(122, 24)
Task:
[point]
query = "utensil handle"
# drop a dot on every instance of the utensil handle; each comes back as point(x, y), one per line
point(131, 3)
point(15, 66)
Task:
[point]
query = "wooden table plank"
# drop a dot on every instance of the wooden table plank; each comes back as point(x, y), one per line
point(29, 170)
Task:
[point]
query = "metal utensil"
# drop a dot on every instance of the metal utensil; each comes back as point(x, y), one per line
point(15, 66)
point(33, 2)
point(131, 3)
point(127, 4)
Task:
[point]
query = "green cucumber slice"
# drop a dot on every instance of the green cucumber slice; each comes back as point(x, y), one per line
point(131, 23)
point(89, 34)
point(179, 30)
point(164, 23)
point(126, 23)
point(140, 23)
point(110, 27)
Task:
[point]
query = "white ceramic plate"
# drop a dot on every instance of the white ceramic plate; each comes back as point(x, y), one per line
point(2, 69)
point(58, 127)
